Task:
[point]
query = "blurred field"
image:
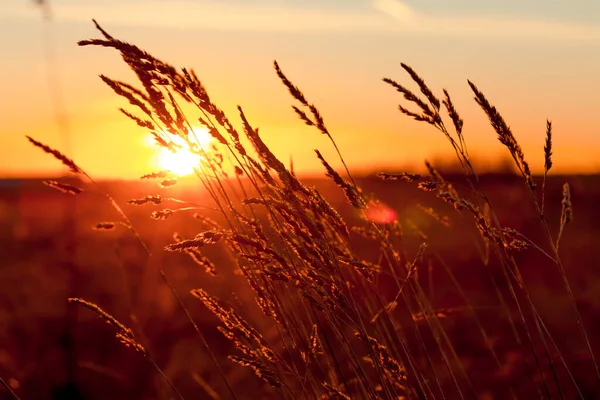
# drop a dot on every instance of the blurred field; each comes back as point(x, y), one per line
point(48, 252)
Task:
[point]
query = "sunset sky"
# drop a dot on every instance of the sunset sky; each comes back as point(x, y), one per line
point(534, 60)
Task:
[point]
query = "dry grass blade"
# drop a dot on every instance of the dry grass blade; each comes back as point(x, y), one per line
point(314, 341)
point(456, 119)
point(198, 257)
point(435, 215)
point(74, 168)
point(104, 33)
point(205, 386)
point(130, 94)
point(298, 95)
point(104, 226)
point(352, 193)
point(567, 206)
point(208, 237)
point(392, 367)
point(143, 123)
point(505, 135)
point(147, 199)
point(261, 370)
point(547, 161)
point(409, 95)
point(566, 214)
point(548, 147)
point(402, 176)
point(334, 393)
point(423, 86)
point(57, 154)
point(428, 115)
point(303, 116)
point(156, 175)
point(9, 389)
point(257, 353)
point(124, 334)
point(63, 187)
point(294, 91)
point(168, 183)
point(162, 214)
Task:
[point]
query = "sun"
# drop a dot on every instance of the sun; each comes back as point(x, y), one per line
point(183, 161)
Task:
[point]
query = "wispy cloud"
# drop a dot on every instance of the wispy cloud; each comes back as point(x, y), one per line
point(484, 26)
point(214, 15)
point(397, 9)
point(383, 16)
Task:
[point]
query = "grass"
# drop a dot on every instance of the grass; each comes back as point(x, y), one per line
point(317, 316)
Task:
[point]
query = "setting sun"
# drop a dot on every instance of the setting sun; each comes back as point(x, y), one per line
point(184, 161)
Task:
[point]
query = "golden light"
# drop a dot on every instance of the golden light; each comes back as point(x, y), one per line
point(183, 161)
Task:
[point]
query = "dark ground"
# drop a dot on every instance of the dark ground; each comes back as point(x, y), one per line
point(50, 349)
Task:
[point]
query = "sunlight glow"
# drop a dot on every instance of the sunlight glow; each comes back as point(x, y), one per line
point(184, 161)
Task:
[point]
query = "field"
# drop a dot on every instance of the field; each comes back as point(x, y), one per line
point(53, 349)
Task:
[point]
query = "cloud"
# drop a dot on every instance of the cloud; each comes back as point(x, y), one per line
point(388, 16)
point(397, 9)
point(484, 26)
point(213, 15)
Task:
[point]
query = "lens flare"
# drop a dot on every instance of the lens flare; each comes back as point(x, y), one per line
point(183, 161)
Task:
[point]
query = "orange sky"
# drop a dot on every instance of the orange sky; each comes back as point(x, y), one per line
point(532, 64)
